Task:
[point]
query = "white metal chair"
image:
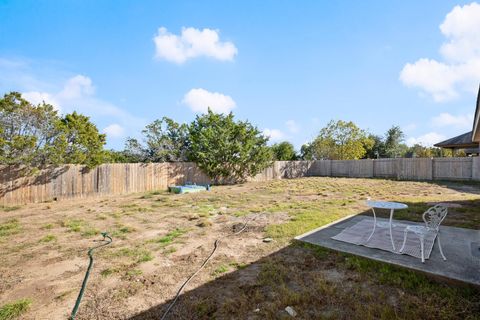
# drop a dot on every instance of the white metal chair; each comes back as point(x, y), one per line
point(433, 217)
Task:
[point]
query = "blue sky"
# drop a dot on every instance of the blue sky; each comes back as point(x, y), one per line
point(287, 66)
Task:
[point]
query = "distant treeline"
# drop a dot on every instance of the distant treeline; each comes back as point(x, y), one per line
point(37, 136)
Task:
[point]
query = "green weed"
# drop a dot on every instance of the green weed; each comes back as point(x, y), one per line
point(15, 309)
point(10, 227)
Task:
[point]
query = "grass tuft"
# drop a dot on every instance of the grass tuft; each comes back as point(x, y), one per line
point(9, 208)
point(220, 270)
point(138, 255)
point(170, 237)
point(10, 227)
point(78, 225)
point(15, 309)
point(48, 238)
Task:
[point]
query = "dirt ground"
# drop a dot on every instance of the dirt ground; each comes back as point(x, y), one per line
point(159, 239)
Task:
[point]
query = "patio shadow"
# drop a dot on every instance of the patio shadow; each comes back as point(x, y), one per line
point(319, 283)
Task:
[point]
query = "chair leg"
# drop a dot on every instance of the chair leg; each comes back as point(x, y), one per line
point(374, 225)
point(440, 246)
point(405, 233)
point(421, 247)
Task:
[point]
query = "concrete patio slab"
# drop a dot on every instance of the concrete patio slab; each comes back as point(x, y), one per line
point(459, 245)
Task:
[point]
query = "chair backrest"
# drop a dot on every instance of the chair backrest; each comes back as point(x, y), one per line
point(434, 216)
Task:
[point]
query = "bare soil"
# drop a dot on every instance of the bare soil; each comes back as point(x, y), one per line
point(160, 239)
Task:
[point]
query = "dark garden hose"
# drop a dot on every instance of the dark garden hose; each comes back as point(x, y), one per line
point(216, 244)
point(106, 241)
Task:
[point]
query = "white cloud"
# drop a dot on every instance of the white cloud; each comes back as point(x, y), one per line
point(36, 97)
point(462, 121)
point(461, 26)
point(199, 100)
point(114, 130)
point(274, 134)
point(460, 70)
point(67, 94)
point(292, 126)
point(78, 94)
point(192, 43)
point(75, 88)
point(427, 140)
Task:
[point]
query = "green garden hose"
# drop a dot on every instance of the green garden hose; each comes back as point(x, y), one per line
point(107, 240)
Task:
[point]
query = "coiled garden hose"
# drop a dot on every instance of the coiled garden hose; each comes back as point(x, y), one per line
point(107, 240)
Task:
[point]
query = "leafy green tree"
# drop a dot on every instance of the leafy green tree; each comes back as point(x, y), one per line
point(227, 150)
point(418, 151)
point(394, 146)
point(341, 140)
point(30, 135)
point(165, 141)
point(84, 144)
point(284, 151)
point(135, 151)
point(306, 152)
point(36, 136)
point(375, 150)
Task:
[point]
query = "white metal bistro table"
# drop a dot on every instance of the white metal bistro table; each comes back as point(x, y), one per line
point(384, 205)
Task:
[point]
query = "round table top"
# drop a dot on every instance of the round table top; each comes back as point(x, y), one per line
point(386, 205)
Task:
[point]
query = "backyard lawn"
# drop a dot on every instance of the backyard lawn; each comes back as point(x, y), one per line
point(159, 239)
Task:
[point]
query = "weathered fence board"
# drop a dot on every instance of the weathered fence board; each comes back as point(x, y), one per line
point(452, 168)
point(385, 168)
point(74, 181)
point(414, 169)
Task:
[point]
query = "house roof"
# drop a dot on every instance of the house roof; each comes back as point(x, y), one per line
point(476, 129)
point(460, 142)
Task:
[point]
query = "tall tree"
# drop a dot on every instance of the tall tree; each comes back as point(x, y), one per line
point(394, 146)
point(165, 141)
point(36, 136)
point(284, 151)
point(84, 144)
point(341, 140)
point(377, 149)
point(306, 152)
point(30, 135)
point(226, 149)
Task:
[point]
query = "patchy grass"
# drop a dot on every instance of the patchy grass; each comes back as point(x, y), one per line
point(15, 309)
point(169, 237)
point(238, 265)
point(220, 270)
point(134, 272)
point(9, 208)
point(81, 226)
point(439, 299)
point(108, 272)
point(132, 208)
point(121, 231)
point(137, 255)
point(151, 194)
point(9, 228)
point(47, 226)
point(248, 274)
point(48, 238)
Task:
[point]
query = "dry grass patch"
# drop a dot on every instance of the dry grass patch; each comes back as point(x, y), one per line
point(159, 239)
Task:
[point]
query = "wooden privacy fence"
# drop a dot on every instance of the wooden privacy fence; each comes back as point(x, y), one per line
point(74, 181)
